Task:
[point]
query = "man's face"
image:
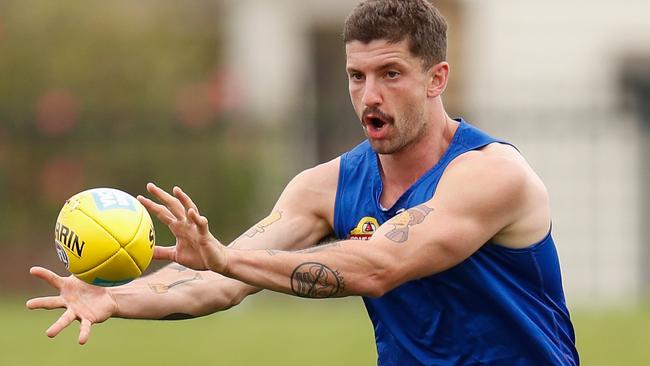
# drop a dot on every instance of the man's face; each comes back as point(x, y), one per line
point(388, 88)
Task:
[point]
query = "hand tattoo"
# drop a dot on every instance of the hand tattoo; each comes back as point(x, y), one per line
point(316, 280)
point(402, 222)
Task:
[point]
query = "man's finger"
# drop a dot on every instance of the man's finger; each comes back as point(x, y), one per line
point(164, 253)
point(161, 212)
point(172, 203)
point(48, 276)
point(46, 302)
point(201, 222)
point(84, 331)
point(63, 321)
point(184, 198)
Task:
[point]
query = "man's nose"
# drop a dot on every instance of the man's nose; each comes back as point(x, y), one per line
point(371, 94)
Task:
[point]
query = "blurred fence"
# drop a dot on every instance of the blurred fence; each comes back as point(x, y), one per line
point(116, 94)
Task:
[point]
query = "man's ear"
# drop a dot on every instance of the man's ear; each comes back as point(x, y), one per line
point(438, 78)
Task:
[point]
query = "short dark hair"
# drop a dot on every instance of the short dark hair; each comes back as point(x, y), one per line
point(417, 21)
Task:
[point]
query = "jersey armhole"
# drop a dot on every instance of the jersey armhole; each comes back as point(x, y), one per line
point(339, 194)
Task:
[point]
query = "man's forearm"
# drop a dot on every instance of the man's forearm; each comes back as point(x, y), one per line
point(333, 270)
point(176, 292)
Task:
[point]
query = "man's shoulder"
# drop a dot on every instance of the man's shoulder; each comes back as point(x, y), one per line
point(494, 157)
point(494, 165)
point(497, 180)
point(324, 175)
point(311, 193)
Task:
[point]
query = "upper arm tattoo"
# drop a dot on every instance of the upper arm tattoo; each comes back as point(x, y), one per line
point(260, 227)
point(402, 222)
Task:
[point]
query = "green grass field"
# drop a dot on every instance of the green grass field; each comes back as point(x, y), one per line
point(270, 330)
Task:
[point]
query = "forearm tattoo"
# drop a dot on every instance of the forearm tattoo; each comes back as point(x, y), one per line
point(402, 222)
point(177, 316)
point(315, 249)
point(319, 248)
point(178, 267)
point(161, 288)
point(316, 280)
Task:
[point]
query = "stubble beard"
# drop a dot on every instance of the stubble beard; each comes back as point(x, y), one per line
point(408, 133)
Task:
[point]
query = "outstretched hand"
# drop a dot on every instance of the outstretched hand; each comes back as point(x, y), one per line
point(195, 247)
point(86, 303)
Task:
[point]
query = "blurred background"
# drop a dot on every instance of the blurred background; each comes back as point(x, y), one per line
point(230, 99)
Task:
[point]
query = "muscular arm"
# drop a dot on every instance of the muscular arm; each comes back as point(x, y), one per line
point(301, 217)
point(177, 292)
point(472, 205)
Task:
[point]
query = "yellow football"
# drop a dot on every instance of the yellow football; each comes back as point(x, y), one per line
point(104, 237)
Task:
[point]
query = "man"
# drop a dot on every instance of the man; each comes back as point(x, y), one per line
point(458, 266)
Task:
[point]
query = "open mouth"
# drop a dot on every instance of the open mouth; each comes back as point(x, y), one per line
point(376, 119)
point(375, 122)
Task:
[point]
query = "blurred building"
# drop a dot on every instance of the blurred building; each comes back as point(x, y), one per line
point(566, 81)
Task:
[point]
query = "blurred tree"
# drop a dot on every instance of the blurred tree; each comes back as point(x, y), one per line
point(100, 93)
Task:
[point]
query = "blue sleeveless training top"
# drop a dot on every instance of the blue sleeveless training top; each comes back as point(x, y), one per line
point(498, 307)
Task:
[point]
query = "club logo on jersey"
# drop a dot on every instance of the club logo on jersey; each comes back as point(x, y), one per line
point(364, 229)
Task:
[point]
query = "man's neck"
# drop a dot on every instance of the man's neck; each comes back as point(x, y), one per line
point(402, 169)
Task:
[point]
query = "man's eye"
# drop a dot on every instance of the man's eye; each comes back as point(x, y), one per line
point(356, 76)
point(392, 74)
